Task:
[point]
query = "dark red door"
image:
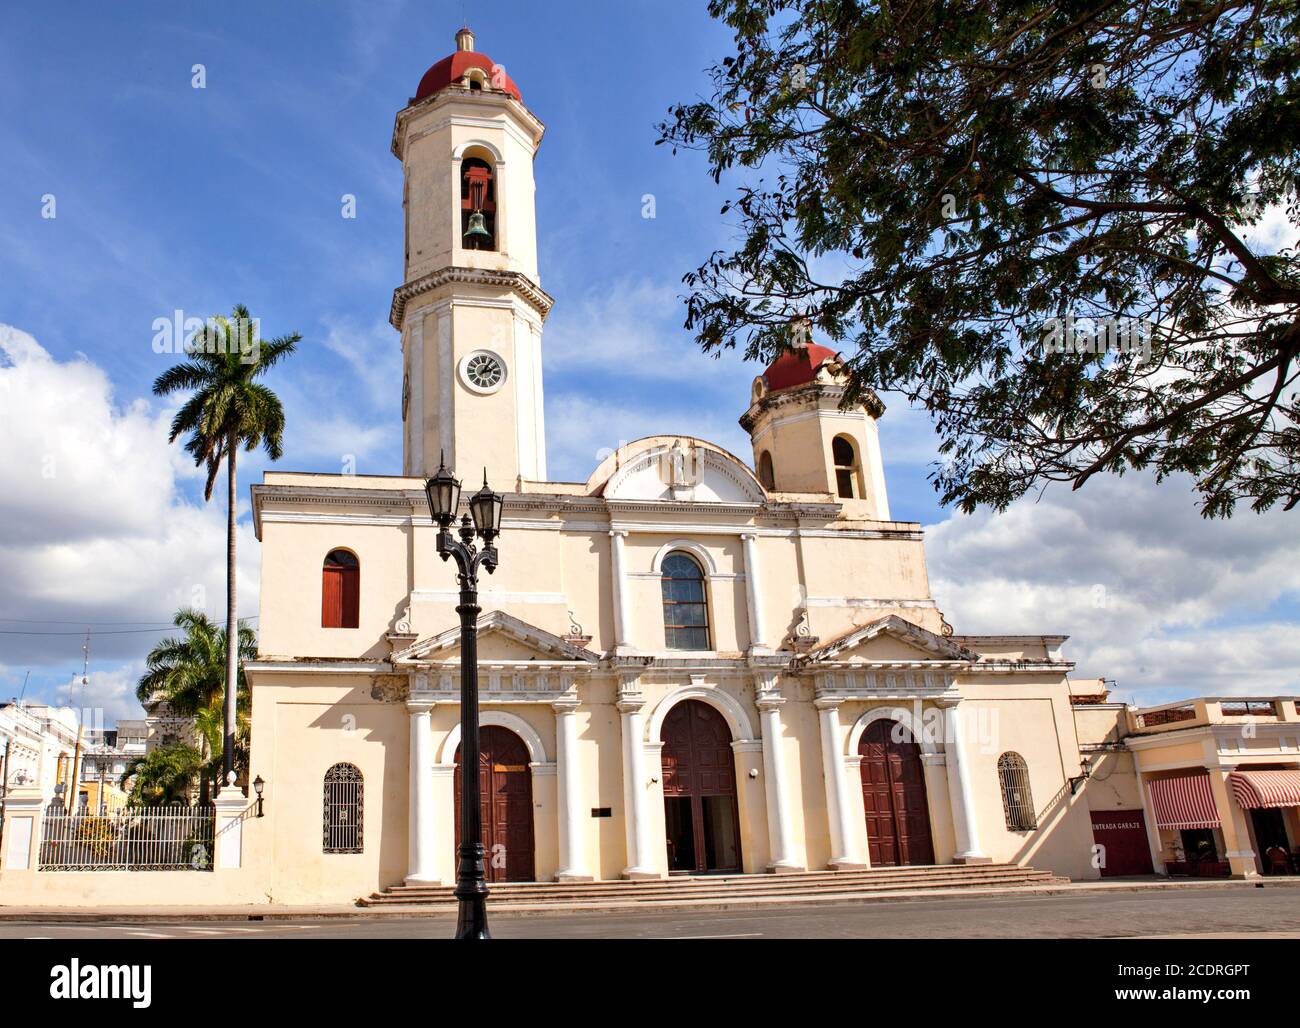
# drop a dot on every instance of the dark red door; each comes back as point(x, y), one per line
point(893, 796)
point(1122, 834)
point(701, 816)
point(507, 804)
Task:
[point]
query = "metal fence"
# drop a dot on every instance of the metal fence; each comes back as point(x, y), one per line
point(172, 838)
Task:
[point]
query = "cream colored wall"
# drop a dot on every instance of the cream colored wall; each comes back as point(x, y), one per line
point(1030, 716)
point(289, 622)
point(302, 726)
point(796, 446)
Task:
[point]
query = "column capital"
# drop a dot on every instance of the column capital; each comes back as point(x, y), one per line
point(565, 705)
point(620, 533)
point(420, 704)
point(631, 703)
point(828, 702)
point(749, 535)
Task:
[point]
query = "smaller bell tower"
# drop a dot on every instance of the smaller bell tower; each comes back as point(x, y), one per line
point(805, 443)
point(470, 308)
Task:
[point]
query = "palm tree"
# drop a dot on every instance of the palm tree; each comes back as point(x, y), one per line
point(228, 409)
point(188, 674)
point(164, 775)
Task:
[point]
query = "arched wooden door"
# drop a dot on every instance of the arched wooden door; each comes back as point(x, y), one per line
point(893, 796)
point(506, 785)
point(701, 816)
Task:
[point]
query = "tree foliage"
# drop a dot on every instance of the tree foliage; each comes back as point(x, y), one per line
point(162, 776)
point(939, 187)
point(188, 674)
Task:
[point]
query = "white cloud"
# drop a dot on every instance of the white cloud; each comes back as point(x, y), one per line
point(93, 525)
point(1150, 593)
point(635, 330)
point(581, 432)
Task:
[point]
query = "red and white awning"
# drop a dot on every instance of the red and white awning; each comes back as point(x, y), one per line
point(1183, 801)
point(1254, 789)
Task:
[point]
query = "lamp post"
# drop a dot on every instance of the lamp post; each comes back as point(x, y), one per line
point(483, 520)
point(258, 786)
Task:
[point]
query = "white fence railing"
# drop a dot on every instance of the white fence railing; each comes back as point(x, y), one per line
point(172, 838)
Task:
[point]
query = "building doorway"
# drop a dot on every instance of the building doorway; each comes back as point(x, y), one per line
point(1124, 847)
point(894, 797)
point(1270, 833)
point(701, 814)
point(506, 784)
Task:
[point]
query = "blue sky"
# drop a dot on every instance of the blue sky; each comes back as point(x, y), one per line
point(170, 197)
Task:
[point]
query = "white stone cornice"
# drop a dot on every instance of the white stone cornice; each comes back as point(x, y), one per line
point(524, 287)
point(340, 667)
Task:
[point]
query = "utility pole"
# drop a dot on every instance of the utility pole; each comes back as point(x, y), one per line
point(76, 752)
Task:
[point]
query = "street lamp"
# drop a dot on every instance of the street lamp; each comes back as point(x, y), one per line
point(483, 520)
point(258, 786)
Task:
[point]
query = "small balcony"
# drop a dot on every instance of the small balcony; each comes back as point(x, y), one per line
point(1219, 710)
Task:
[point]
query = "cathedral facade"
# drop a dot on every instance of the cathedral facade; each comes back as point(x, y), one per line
point(691, 662)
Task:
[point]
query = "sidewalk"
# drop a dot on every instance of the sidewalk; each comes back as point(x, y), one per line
point(139, 915)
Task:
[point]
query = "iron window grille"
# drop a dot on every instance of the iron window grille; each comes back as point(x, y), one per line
point(344, 789)
point(1017, 797)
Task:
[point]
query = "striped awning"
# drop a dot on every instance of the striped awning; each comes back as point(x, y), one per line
point(1254, 789)
point(1184, 801)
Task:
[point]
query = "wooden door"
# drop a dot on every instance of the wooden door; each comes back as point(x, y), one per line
point(894, 798)
point(506, 787)
point(1122, 834)
point(701, 812)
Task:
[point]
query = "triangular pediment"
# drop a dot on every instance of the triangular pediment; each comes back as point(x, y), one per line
point(502, 638)
point(889, 640)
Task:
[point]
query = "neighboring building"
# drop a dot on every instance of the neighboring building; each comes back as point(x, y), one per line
point(40, 740)
point(132, 738)
point(42, 743)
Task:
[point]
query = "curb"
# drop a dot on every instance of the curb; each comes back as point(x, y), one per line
point(408, 912)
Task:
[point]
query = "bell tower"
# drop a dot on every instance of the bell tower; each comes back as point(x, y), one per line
point(470, 307)
point(806, 442)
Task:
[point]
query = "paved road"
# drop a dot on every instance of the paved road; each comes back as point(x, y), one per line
point(1231, 912)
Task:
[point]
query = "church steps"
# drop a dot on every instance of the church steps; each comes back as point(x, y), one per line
point(793, 887)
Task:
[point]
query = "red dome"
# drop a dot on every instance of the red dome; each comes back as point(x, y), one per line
point(798, 367)
point(450, 70)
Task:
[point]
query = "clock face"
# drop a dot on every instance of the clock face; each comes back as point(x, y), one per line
point(483, 371)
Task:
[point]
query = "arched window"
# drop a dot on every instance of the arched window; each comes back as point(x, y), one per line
point(343, 793)
point(686, 612)
point(478, 205)
point(765, 473)
point(845, 455)
point(1017, 799)
point(340, 590)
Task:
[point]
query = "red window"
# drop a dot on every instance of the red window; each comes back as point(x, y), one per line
point(340, 592)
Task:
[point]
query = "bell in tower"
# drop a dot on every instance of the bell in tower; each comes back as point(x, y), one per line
point(476, 199)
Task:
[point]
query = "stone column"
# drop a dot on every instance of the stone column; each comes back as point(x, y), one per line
point(1234, 825)
point(754, 596)
point(420, 855)
point(964, 824)
point(231, 805)
point(780, 837)
point(24, 814)
point(843, 849)
point(573, 851)
point(622, 632)
point(636, 813)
